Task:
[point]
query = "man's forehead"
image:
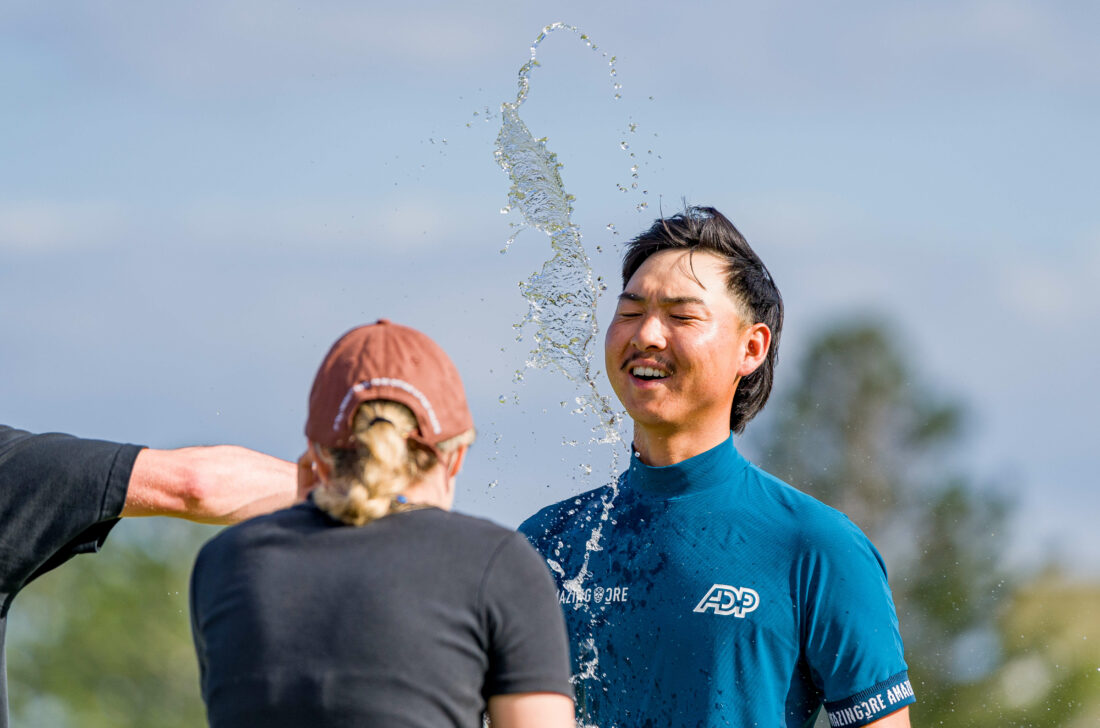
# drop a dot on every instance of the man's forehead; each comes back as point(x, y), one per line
point(678, 274)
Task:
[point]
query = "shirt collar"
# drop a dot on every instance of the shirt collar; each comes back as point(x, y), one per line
point(714, 467)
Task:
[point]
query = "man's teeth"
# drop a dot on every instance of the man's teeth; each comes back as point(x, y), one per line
point(649, 372)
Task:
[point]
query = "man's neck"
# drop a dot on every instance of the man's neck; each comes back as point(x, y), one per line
point(660, 448)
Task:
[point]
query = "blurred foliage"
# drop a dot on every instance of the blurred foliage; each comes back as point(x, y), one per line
point(105, 641)
point(861, 432)
point(1051, 631)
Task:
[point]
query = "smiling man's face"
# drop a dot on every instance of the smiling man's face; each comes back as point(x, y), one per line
point(677, 346)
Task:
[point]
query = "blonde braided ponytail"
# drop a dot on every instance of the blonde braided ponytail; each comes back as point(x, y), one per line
point(366, 480)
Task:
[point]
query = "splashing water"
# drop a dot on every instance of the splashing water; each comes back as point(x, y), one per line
point(562, 295)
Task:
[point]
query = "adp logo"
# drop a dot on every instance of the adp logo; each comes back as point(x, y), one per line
point(726, 600)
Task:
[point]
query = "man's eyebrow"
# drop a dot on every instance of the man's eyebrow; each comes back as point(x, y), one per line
point(673, 301)
point(681, 300)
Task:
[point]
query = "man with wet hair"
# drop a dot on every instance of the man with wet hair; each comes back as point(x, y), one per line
point(60, 496)
point(715, 594)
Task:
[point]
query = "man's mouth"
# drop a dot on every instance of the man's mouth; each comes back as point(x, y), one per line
point(648, 374)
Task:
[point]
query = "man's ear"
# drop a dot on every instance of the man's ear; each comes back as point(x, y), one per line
point(756, 340)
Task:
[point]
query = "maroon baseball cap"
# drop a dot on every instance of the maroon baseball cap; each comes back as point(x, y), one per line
point(385, 360)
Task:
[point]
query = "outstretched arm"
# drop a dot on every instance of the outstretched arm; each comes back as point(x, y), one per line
point(219, 484)
point(531, 710)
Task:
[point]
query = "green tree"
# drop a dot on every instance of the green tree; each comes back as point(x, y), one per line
point(859, 431)
point(1051, 639)
point(105, 641)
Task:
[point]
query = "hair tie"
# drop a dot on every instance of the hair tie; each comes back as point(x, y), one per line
point(400, 498)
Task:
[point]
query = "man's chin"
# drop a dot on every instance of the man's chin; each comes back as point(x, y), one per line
point(653, 421)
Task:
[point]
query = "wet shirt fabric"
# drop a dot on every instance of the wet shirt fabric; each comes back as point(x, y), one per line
point(59, 496)
point(721, 596)
point(411, 621)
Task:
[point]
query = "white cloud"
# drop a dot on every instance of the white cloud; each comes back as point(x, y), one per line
point(249, 43)
point(49, 226)
point(1039, 39)
point(409, 222)
point(1062, 290)
point(802, 54)
point(405, 221)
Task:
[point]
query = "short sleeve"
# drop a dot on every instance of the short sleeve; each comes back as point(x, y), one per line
point(528, 648)
point(852, 642)
point(59, 496)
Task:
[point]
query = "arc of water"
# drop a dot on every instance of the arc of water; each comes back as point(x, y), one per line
point(562, 295)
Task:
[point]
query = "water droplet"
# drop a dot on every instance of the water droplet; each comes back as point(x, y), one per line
point(562, 295)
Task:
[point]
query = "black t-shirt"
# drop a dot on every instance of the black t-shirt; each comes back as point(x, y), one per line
point(59, 496)
point(411, 621)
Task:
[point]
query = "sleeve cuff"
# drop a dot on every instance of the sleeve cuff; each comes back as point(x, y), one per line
point(872, 704)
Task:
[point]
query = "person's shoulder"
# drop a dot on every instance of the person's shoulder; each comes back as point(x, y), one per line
point(15, 439)
point(479, 539)
point(298, 517)
point(809, 519)
point(477, 526)
point(11, 434)
point(557, 517)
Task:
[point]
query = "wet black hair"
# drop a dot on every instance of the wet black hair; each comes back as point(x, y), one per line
point(704, 228)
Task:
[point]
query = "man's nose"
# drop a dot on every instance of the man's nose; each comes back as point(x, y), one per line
point(650, 333)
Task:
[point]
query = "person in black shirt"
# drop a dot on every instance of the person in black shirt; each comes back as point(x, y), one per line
point(372, 603)
point(60, 496)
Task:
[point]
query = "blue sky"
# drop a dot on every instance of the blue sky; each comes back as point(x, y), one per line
point(197, 199)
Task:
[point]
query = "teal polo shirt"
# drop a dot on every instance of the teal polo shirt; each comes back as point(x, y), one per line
point(717, 595)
